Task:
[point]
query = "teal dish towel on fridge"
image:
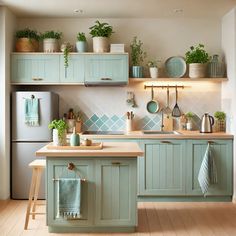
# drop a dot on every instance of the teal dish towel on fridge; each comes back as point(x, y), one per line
point(208, 173)
point(32, 111)
point(69, 198)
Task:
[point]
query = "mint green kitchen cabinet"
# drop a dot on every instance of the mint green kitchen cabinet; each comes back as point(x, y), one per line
point(223, 156)
point(74, 73)
point(115, 192)
point(34, 68)
point(162, 169)
point(58, 169)
point(107, 69)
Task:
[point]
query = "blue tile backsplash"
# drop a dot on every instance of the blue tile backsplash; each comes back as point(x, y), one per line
point(117, 123)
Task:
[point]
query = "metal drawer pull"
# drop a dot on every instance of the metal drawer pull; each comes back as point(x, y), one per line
point(210, 142)
point(37, 79)
point(106, 79)
point(115, 163)
point(168, 142)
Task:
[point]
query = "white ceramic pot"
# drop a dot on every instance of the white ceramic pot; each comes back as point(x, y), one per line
point(153, 72)
point(197, 70)
point(58, 141)
point(50, 45)
point(100, 44)
point(189, 126)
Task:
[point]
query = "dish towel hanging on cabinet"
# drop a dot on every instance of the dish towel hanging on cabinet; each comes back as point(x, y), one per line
point(32, 111)
point(69, 198)
point(208, 173)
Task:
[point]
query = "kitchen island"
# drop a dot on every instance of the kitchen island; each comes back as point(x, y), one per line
point(108, 189)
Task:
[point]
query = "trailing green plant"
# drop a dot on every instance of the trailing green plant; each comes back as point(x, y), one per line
point(60, 125)
point(220, 115)
point(189, 115)
point(137, 53)
point(66, 55)
point(101, 30)
point(197, 55)
point(51, 35)
point(27, 33)
point(81, 37)
point(152, 63)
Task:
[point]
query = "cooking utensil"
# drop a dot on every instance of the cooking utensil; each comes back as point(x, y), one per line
point(167, 110)
point(176, 111)
point(152, 105)
point(207, 122)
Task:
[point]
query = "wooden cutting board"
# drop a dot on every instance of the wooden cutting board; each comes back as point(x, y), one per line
point(94, 146)
point(167, 122)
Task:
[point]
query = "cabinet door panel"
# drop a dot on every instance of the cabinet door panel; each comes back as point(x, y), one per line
point(58, 169)
point(162, 168)
point(222, 153)
point(35, 69)
point(116, 192)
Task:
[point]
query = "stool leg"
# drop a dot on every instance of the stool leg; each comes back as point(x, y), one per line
point(36, 192)
point(31, 193)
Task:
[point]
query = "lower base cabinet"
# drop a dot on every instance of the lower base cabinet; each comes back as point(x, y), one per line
point(108, 194)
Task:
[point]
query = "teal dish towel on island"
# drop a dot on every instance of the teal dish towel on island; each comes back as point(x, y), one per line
point(69, 198)
point(208, 173)
point(32, 111)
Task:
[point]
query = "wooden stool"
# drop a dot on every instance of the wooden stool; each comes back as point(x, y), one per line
point(38, 166)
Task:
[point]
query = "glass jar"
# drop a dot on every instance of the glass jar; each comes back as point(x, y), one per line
point(216, 69)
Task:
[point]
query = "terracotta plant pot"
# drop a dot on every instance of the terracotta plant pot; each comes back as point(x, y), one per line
point(197, 70)
point(100, 44)
point(27, 45)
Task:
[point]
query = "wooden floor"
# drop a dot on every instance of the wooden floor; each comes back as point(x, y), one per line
point(153, 219)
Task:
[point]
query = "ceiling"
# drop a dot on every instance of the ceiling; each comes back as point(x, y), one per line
point(120, 8)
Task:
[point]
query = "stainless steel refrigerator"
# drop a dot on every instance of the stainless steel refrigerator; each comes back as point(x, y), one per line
point(28, 139)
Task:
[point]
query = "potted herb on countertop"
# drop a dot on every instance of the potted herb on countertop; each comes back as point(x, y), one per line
point(153, 69)
point(197, 58)
point(81, 44)
point(27, 40)
point(189, 115)
point(220, 124)
point(101, 33)
point(137, 57)
point(50, 41)
point(59, 132)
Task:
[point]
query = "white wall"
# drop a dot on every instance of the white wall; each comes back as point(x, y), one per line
point(7, 24)
point(162, 38)
point(229, 88)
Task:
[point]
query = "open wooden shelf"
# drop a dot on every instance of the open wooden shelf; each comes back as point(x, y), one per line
point(214, 80)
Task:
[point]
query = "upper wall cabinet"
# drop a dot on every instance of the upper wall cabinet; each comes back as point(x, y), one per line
point(106, 69)
point(35, 68)
point(74, 73)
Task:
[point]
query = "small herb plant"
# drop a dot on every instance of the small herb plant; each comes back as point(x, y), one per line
point(197, 55)
point(51, 35)
point(152, 63)
point(101, 30)
point(189, 115)
point(81, 37)
point(60, 125)
point(27, 33)
point(220, 115)
point(137, 53)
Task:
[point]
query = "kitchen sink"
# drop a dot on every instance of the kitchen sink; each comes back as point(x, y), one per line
point(159, 132)
point(104, 132)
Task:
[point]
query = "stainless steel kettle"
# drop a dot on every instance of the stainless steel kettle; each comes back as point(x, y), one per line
point(207, 122)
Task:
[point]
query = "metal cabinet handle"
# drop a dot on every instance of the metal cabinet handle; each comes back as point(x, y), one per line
point(210, 142)
point(167, 142)
point(106, 79)
point(115, 163)
point(37, 79)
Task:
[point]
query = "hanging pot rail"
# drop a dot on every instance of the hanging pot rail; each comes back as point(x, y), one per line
point(164, 86)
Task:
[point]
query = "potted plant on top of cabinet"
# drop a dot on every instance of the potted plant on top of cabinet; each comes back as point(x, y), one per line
point(50, 41)
point(137, 57)
point(27, 40)
point(81, 42)
point(153, 69)
point(101, 33)
point(197, 58)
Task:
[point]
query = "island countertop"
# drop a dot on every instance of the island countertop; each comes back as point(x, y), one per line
point(110, 149)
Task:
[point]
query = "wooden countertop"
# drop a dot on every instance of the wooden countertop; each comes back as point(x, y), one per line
point(110, 149)
point(182, 135)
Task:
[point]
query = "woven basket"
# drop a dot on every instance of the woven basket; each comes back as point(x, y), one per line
point(27, 45)
point(220, 126)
